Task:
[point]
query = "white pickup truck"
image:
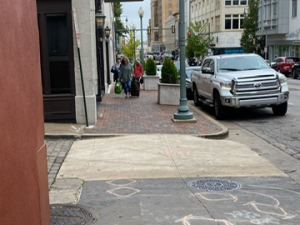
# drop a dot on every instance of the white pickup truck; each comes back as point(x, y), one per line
point(239, 81)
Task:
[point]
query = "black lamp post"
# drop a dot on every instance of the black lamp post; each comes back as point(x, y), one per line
point(107, 35)
point(100, 20)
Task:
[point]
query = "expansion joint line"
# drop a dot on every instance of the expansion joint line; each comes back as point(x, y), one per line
point(183, 180)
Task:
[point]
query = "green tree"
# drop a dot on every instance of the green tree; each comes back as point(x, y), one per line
point(117, 14)
point(250, 25)
point(169, 72)
point(198, 41)
point(150, 67)
point(128, 49)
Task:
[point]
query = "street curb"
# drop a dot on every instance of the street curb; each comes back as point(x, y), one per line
point(218, 135)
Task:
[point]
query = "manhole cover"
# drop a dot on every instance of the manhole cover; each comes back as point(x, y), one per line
point(70, 215)
point(214, 185)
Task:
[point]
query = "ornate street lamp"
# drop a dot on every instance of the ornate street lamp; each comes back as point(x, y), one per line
point(141, 14)
point(107, 32)
point(100, 19)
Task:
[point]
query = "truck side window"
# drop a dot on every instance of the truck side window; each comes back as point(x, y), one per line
point(212, 66)
point(206, 63)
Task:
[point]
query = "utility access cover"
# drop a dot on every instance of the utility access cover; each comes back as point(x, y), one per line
point(214, 185)
point(61, 214)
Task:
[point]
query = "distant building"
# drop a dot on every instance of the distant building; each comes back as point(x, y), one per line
point(224, 19)
point(161, 10)
point(279, 23)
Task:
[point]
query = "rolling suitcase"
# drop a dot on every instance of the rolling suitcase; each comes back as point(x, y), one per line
point(135, 87)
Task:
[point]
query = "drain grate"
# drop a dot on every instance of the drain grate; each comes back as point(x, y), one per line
point(61, 214)
point(214, 185)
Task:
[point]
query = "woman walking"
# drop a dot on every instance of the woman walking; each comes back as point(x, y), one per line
point(125, 76)
point(138, 72)
point(116, 69)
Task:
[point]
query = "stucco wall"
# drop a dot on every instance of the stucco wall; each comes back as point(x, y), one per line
point(85, 11)
point(23, 157)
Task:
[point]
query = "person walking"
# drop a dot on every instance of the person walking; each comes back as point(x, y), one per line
point(138, 72)
point(116, 69)
point(125, 76)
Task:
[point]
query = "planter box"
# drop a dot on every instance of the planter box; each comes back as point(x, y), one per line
point(168, 94)
point(150, 82)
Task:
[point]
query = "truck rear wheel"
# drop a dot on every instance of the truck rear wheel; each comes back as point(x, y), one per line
point(196, 97)
point(280, 110)
point(220, 110)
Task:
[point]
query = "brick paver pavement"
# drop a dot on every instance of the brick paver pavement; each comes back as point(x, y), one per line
point(57, 150)
point(142, 115)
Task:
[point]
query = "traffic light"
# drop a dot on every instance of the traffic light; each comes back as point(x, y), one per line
point(149, 30)
point(173, 29)
point(253, 41)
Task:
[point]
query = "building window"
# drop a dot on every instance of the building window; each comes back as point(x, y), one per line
point(228, 2)
point(170, 5)
point(294, 8)
point(235, 2)
point(217, 23)
point(156, 37)
point(243, 2)
point(234, 21)
point(170, 13)
point(227, 22)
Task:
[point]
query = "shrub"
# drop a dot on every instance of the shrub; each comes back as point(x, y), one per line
point(150, 67)
point(169, 73)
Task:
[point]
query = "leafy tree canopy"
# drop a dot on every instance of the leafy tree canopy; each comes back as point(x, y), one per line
point(131, 43)
point(198, 41)
point(117, 14)
point(250, 25)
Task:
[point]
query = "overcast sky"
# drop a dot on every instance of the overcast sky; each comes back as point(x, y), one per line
point(130, 10)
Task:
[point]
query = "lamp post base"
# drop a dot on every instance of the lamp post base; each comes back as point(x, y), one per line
point(183, 112)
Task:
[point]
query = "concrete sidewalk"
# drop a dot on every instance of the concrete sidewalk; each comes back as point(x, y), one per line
point(175, 179)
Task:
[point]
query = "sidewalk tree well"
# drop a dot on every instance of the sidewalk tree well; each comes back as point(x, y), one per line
point(128, 49)
point(198, 40)
point(169, 72)
point(250, 24)
point(150, 67)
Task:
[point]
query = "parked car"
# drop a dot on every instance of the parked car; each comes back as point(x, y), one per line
point(188, 72)
point(194, 62)
point(158, 70)
point(188, 82)
point(284, 64)
point(268, 62)
point(296, 70)
point(177, 64)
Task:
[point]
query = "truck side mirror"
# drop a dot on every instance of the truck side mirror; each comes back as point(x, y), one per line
point(207, 70)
